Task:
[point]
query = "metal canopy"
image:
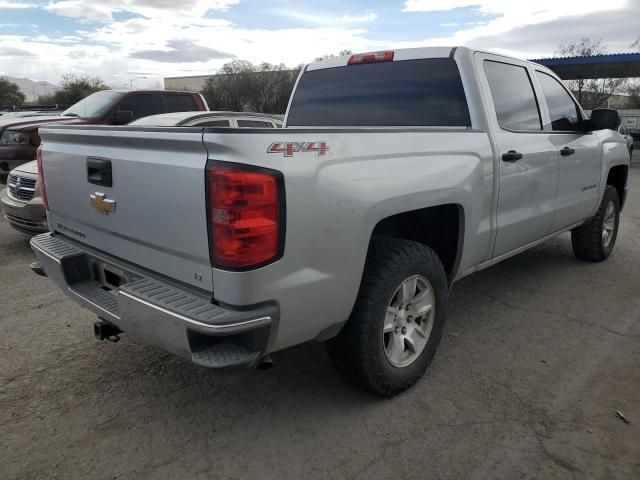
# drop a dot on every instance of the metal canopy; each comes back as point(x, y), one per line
point(617, 65)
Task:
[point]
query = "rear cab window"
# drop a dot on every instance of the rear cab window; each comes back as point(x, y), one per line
point(424, 92)
point(141, 105)
point(211, 123)
point(176, 102)
point(254, 124)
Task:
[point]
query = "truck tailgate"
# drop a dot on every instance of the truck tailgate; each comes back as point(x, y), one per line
point(158, 216)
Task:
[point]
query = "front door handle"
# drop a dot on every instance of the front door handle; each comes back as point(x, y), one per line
point(566, 151)
point(511, 156)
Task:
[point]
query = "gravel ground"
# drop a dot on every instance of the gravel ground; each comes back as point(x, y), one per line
point(538, 354)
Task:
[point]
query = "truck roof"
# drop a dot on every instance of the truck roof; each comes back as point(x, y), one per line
point(152, 90)
point(404, 54)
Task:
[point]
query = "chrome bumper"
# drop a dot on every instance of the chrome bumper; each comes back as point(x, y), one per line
point(157, 312)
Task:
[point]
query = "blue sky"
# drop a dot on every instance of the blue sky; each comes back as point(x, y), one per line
point(120, 39)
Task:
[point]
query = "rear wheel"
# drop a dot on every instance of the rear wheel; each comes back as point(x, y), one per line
point(594, 240)
point(397, 321)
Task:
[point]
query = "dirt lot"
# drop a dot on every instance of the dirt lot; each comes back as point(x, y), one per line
point(538, 355)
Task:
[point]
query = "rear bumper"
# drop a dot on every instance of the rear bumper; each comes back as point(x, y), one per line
point(156, 311)
point(29, 217)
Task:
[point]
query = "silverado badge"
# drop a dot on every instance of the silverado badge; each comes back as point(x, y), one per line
point(99, 202)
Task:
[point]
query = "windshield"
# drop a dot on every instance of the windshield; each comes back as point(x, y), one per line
point(95, 105)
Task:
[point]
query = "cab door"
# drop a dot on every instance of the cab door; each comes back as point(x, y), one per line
point(580, 153)
point(527, 158)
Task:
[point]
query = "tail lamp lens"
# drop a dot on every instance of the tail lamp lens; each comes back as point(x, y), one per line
point(43, 190)
point(245, 216)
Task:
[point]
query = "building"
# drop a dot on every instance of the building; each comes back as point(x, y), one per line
point(194, 83)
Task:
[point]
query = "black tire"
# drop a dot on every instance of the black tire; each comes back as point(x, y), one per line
point(587, 240)
point(358, 351)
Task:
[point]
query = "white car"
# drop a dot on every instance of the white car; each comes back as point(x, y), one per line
point(624, 131)
point(210, 119)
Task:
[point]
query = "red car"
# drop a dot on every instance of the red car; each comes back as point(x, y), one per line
point(19, 135)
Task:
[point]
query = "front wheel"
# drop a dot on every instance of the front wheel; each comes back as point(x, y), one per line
point(594, 240)
point(397, 321)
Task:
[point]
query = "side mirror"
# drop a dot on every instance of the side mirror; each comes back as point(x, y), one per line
point(604, 119)
point(122, 117)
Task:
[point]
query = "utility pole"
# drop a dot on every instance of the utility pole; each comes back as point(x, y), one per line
point(131, 80)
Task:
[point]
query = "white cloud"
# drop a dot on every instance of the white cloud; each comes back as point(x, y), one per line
point(438, 5)
point(329, 20)
point(511, 15)
point(16, 5)
point(147, 43)
point(365, 18)
point(103, 10)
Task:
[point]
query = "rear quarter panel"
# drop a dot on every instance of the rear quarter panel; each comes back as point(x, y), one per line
point(335, 200)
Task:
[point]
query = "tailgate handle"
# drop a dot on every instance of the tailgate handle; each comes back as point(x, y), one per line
point(99, 172)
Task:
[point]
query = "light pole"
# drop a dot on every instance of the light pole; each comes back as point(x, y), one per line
point(33, 87)
point(131, 80)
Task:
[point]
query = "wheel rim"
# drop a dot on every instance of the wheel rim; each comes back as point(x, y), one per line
point(408, 321)
point(608, 225)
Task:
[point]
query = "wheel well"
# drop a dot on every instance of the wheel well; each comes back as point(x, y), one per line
point(618, 178)
point(440, 228)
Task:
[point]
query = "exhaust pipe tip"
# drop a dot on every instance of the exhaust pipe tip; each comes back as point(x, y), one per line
point(265, 363)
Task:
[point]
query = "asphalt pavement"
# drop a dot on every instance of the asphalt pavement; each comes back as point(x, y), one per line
point(539, 354)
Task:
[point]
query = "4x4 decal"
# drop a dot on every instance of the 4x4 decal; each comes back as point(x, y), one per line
point(289, 148)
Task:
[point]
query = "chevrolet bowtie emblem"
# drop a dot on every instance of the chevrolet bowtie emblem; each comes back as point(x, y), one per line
point(100, 203)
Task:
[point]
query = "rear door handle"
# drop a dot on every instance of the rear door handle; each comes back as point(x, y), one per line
point(99, 172)
point(511, 156)
point(566, 151)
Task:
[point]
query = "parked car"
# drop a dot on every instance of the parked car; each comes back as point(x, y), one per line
point(21, 203)
point(31, 113)
point(628, 138)
point(19, 136)
point(22, 206)
point(397, 174)
point(210, 119)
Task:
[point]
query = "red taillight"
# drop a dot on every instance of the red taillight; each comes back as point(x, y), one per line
point(246, 215)
point(372, 57)
point(43, 190)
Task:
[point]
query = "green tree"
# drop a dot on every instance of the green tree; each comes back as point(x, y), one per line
point(10, 93)
point(243, 86)
point(342, 53)
point(591, 93)
point(74, 88)
point(633, 90)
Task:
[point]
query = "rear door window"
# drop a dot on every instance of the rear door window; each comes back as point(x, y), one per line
point(140, 104)
point(179, 103)
point(513, 96)
point(426, 92)
point(563, 111)
point(254, 124)
point(211, 123)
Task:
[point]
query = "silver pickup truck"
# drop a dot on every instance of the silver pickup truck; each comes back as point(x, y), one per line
point(397, 174)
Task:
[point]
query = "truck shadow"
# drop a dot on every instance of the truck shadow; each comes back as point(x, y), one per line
point(303, 379)
point(154, 411)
